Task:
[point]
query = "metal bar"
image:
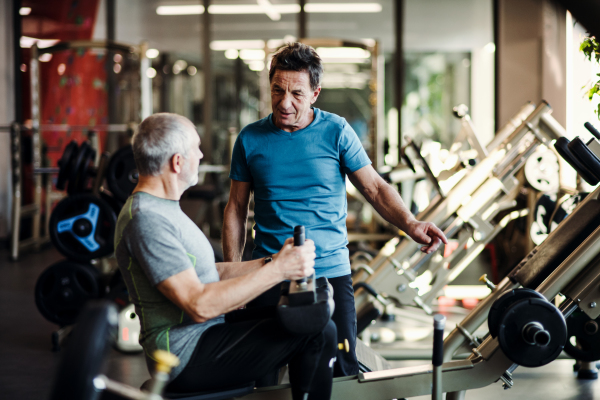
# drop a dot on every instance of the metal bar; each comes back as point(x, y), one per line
point(399, 66)
point(302, 32)
point(146, 83)
point(84, 128)
point(35, 138)
point(208, 84)
point(111, 78)
point(88, 44)
point(17, 194)
point(16, 42)
point(29, 209)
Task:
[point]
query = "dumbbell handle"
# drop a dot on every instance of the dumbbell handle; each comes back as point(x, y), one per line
point(439, 322)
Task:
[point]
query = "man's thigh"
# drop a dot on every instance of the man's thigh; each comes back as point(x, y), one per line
point(232, 354)
point(344, 317)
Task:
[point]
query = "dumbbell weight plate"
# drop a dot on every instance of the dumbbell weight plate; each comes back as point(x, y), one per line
point(587, 336)
point(84, 156)
point(512, 338)
point(122, 174)
point(504, 302)
point(86, 170)
point(65, 164)
point(82, 227)
point(63, 288)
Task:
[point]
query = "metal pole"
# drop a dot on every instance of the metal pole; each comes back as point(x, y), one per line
point(208, 98)
point(18, 96)
point(15, 131)
point(112, 141)
point(302, 20)
point(36, 145)
point(439, 323)
point(399, 66)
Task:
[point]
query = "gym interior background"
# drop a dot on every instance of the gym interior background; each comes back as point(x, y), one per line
point(90, 71)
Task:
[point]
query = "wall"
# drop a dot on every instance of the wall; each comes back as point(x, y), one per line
point(7, 115)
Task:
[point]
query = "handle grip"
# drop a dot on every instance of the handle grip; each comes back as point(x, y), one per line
point(592, 130)
point(299, 237)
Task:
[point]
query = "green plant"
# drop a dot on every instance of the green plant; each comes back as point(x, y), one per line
point(591, 48)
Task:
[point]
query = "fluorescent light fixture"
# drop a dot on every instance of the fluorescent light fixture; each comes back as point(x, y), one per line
point(253, 8)
point(150, 73)
point(231, 54)
point(274, 11)
point(268, 9)
point(344, 60)
point(490, 47)
point(342, 52)
point(342, 8)
point(180, 10)
point(27, 42)
point(25, 10)
point(152, 53)
point(256, 65)
point(179, 66)
point(191, 70)
point(250, 55)
point(237, 44)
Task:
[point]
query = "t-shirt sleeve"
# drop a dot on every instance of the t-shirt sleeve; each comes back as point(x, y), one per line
point(239, 170)
point(352, 154)
point(154, 242)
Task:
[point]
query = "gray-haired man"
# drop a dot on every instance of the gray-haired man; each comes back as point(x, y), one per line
point(180, 294)
point(296, 161)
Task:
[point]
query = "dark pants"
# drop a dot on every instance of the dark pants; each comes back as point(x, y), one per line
point(344, 317)
point(234, 354)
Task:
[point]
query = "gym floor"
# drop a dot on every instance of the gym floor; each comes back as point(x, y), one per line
point(28, 364)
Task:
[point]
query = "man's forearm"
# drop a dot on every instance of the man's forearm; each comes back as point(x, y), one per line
point(388, 203)
point(229, 270)
point(234, 234)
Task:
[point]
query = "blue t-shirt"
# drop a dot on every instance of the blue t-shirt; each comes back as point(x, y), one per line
point(299, 178)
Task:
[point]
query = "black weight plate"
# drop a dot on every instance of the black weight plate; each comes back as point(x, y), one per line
point(562, 146)
point(82, 227)
point(585, 155)
point(83, 358)
point(75, 171)
point(65, 163)
point(504, 302)
point(122, 174)
point(86, 170)
point(587, 336)
point(63, 289)
point(114, 203)
point(511, 332)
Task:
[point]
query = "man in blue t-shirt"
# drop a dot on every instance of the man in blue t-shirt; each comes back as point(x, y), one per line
point(296, 161)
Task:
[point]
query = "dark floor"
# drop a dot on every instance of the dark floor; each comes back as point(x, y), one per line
point(27, 362)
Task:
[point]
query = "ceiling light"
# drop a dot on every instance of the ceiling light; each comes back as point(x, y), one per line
point(118, 58)
point(252, 8)
point(342, 8)
point(256, 65)
point(117, 68)
point(179, 66)
point(248, 54)
point(231, 54)
point(344, 60)
point(61, 69)
point(25, 10)
point(268, 9)
point(45, 57)
point(180, 10)
point(191, 70)
point(342, 52)
point(152, 53)
point(150, 73)
point(237, 44)
point(26, 42)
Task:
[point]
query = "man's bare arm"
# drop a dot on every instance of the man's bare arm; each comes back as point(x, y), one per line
point(235, 220)
point(206, 301)
point(390, 206)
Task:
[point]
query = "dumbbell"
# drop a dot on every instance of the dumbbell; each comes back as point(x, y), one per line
point(306, 305)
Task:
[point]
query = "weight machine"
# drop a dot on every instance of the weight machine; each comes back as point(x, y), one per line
point(466, 213)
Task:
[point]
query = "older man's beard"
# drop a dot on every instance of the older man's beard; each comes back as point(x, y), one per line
point(192, 178)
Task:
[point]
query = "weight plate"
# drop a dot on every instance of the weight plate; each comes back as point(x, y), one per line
point(122, 174)
point(562, 147)
point(532, 332)
point(114, 203)
point(65, 163)
point(86, 170)
point(541, 171)
point(82, 227)
point(584, 337)
point(83, 358)
point(504, 302)
point(76, 166)
point(62, 290)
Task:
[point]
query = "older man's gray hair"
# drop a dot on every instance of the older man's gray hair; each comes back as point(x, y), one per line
point(160, 137)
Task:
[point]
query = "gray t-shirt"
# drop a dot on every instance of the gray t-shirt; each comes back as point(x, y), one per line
point(155, 240)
